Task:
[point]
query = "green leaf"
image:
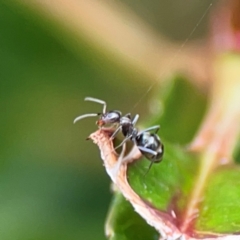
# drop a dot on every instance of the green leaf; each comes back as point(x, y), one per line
point(125, 224)
point(167, 185)
point(220, 208)
point(183, 107)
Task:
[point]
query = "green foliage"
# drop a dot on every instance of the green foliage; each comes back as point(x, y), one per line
point(220, 208)
point(183, 107)
point(49, 181)
point(169, 185)
point(52, 182)
point(126, 223)
point(167, 182)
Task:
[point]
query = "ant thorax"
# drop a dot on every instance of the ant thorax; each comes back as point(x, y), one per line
point(127, 126)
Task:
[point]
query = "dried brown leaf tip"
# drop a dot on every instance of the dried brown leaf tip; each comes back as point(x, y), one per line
point(116, 167)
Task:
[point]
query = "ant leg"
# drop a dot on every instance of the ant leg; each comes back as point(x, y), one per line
point(149, 129)
point(135, 119)
point(115, 133)
point(128, 115)
point(85, 116)
point(147, 150)
point(97, 101)
point(149, 167)
point(132, 155)
point(152, 160)
point(124, 140)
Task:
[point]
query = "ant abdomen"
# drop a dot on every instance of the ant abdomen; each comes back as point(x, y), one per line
point(150, 141)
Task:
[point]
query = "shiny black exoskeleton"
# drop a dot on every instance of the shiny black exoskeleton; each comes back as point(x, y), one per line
point(148, 143)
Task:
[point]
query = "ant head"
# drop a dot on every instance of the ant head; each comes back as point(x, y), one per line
point(109, 118)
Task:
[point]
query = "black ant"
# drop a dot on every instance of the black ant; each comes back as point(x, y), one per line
point(148, 143)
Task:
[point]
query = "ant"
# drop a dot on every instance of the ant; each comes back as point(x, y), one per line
point(148, 143)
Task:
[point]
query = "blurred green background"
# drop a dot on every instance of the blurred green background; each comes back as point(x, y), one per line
point(52, 182)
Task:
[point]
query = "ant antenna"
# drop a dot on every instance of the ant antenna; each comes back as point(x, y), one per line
point(85, 116)
point(97, 101)
point(92, 114)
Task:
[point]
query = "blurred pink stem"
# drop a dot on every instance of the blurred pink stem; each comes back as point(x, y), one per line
point(219, 133)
